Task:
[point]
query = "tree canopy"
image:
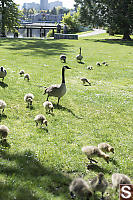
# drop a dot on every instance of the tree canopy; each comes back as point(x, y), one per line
point(116, 15)
point(10, 15)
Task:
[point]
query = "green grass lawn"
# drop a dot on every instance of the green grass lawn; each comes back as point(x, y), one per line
point(39, 163)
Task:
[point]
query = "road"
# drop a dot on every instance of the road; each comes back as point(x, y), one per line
point(94, 32)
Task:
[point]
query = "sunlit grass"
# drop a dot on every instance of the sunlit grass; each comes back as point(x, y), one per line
point(40, 163)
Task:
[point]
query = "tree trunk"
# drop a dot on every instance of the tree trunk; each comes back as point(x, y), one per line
point(126, 36)
point(3, 31)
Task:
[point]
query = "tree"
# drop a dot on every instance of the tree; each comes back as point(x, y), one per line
point(72, 21)
point(116, 15)
point(53, 11)
point(10, 16)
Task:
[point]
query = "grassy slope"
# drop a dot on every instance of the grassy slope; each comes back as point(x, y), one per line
point(40, 163)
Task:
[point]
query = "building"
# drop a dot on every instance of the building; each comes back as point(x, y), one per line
point(53, 4)
point(43, 4)
point(31, 5)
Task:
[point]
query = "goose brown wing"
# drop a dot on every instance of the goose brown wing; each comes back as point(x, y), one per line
point(52, 88)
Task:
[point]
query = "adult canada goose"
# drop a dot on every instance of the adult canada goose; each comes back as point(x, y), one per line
point(58, 90)
point(3, 72)
point(79, 57)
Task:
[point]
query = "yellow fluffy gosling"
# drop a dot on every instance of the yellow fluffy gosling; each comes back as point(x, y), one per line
point(99, 183)
point(40, 119)
point(3, 132)
point(106, 147)
point(80, 188)
point(118, 179)
point(2, 105)
point(29, 99)
point(48, 106)
point(93, 151)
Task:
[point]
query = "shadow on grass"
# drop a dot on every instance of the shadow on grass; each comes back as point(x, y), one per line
point(37, 46)
point(3, 85)
point(97, 168)
point(81, 62)
point(112, 41)
point(2, 116)
point(60, 107)
point(27, 172)
point(114, 162)
point(5, 144)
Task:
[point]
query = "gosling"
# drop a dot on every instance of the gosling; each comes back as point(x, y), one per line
point(80, 188)
point(93, 151)
point(2, 105)
point(90, 67)
point(118, 179)
point(29, 99)
point(27, 76)
point(48, 106)
point(98, 64)
point(21, 72)
point(3, 132)
point(3, 73)
point(63, 57)
point(99, 183)
point(106, 147)
point(40, 119)
point(85, 80)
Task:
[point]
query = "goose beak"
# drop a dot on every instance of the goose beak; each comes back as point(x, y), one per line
point(66, 67)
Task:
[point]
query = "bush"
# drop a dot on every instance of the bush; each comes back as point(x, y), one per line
point(50, 33)
point(72, 22)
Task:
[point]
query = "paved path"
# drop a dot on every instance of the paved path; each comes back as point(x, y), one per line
point(95, 32)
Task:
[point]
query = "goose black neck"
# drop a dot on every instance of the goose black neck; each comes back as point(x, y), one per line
point(63, 75)
point(2, 69)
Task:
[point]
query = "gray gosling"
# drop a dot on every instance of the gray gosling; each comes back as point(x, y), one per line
point(3, 132)
point(118, 179)
point(93, 151)
point(27, 76)
point(3, 73)
point(21, 72)
point(79, 57)
point(80, 188)
point(85, 80)
point(63, 57)
point(58, 90)
point(40, 119)
point(99, 183)
point(48, 106)
point(2, 105)
point(106, 147)
point(28, 98)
